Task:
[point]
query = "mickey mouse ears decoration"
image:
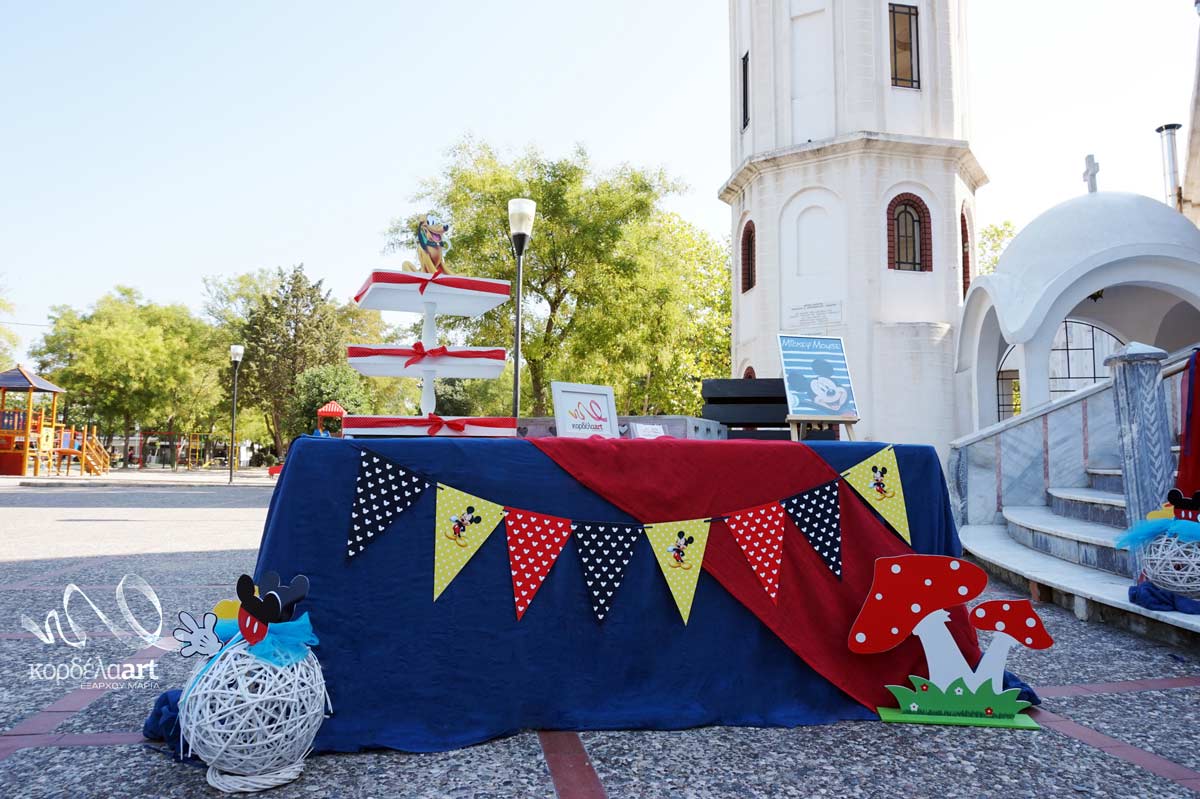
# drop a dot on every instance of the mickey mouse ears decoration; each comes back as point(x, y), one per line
point(273, 604)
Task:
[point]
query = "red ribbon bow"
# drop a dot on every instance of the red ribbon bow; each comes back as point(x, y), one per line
point(436, 423)
point(420, 353)
point(437, 273)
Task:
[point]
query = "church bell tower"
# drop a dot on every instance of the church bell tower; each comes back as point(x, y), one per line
point(852, 195)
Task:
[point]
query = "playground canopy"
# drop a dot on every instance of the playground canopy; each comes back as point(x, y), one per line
point(17, 379)
point(331, 409)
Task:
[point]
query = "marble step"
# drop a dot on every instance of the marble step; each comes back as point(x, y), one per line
point(993, 545)
point(1106, 479)
point(1074, 540)
point(1090, 505)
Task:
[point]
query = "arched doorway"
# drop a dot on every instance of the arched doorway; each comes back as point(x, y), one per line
point(1076, 361)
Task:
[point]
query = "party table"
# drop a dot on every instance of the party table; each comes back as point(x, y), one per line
point(410, 673)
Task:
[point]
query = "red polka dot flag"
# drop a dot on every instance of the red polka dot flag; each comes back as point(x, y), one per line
point(534, 544)
point(759, 532)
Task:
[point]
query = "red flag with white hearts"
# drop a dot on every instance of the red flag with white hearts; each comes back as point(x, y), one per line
point(534, 543)
point(759, 532)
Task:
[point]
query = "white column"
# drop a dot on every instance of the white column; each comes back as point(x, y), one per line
point(428, 402)
point(1035, 369)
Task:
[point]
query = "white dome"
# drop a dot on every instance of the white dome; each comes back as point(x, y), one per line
point(1073, 238)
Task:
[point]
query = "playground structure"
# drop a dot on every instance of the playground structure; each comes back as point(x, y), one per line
point(330, 410)
point(31, 440)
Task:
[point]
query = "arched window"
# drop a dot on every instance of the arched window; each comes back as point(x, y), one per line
point(966, 253)
point(749, 373)
point(748, 256)
point(910, 240)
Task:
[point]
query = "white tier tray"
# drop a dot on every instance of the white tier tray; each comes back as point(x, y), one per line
point(454, 295)
point(388, 360)
point(473, 427)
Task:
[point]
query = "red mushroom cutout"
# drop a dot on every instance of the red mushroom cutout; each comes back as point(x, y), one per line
point(1013, 621)
point(909, 595)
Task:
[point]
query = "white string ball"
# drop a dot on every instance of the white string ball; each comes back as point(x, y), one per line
point(1172, 565)
point(253, 722)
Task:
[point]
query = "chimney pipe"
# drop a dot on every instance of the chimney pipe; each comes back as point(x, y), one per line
point(1170, 164)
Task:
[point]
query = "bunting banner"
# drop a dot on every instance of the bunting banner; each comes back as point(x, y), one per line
point(759, 532)
point(383, 490)
point(462, 522)
point(679, 549)
point(535, 541)
point(877, 480)
point(604, 550)
point(818, 516)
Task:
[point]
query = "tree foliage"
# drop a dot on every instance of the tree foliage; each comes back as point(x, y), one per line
point(318, 385)
point(992, 241)
point(616, 291)
point(289, 329)
point(127, 361)
point(8, 338)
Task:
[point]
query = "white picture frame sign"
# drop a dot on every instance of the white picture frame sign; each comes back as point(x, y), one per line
point(582, 411)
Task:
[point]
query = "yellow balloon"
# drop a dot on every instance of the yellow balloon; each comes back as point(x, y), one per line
point(227, 609)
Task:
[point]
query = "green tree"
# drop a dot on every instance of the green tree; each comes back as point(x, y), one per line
point(8, 338)
point(318, 385)
point(127, 361)
point(609, 294)
point(992, 241)
point(288, 330)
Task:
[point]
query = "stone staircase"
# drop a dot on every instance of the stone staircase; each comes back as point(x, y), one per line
point(1065, 551)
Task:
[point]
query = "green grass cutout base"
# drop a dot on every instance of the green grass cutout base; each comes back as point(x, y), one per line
point(1017, 722)
point(957, 705)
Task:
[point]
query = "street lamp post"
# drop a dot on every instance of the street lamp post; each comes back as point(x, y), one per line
point(236, 351)
point(520, 226)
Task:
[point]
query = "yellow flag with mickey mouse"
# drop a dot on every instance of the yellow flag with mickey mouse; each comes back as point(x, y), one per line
point(462, 523)
point(877, 480)
point(679, 549)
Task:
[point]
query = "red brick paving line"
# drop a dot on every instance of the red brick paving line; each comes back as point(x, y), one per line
point(1155, 764)
point(570, 767)
point(38, 729)
point(1123, 687)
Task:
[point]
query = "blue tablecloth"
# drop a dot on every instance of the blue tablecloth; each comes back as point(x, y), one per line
point(407, 673)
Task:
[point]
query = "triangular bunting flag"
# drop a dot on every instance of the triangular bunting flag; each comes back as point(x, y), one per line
point(534, 543)
point(679, 549)
point(382, 491)
point(604, 550)
point(877, 480)
point(463, 522)
point(816, 514)
point(759, 532)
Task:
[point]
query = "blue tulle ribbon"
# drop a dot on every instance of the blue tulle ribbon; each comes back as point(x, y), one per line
point(287, 642)
point(1144, 532)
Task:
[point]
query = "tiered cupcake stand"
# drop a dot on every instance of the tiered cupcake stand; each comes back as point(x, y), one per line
point(418, 292)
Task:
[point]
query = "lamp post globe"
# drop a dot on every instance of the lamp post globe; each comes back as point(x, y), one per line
point(236, 352)
point(521, 212)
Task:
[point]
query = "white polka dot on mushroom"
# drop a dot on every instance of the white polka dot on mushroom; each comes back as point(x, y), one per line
point(954, 564)
point(928, 581)
point(879, 596)
point(962, 590)
point(860, 637)
point(895, 568)
point(916, 608)
point(980, 612)
point(1031, 622)
point(1000, 626)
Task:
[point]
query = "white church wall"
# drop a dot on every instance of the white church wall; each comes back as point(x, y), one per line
point(811, 78)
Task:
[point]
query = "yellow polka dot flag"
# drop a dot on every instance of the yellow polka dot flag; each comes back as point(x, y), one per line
point(679, 549)
point(461, 524)
point(877, 480)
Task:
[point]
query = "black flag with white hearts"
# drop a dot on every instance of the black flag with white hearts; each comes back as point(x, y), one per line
point(382, 491)
point(817, 514)
point(604, 550)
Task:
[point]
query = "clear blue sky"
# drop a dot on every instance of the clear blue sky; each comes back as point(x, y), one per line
point(150, 144)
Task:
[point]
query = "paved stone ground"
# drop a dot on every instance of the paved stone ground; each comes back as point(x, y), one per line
point(1122, 713)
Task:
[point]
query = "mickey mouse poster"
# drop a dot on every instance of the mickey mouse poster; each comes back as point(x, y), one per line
point(817, 377)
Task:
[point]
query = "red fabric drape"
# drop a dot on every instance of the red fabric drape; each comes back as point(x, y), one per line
point(667, 480)
point(1188, 479)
